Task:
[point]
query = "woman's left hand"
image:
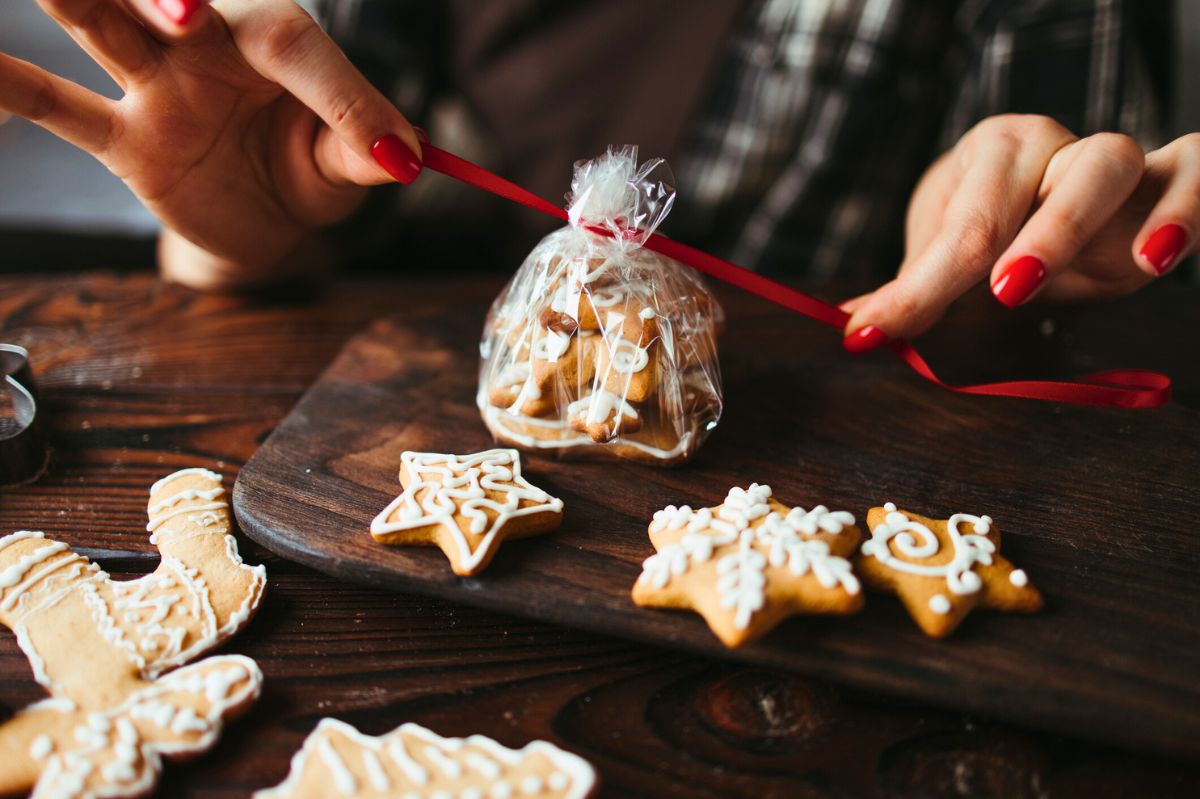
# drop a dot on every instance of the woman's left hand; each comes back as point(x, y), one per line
point(1040, 212)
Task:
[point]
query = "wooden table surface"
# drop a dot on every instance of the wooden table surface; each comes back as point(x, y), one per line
point(140, 378)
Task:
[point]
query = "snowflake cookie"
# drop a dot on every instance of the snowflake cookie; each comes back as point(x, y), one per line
point(749, 563)
point(466, 505)
point(410, 762)
point(103, 650)
point(942, 569)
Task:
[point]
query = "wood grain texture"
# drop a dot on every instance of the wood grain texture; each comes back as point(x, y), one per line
point(141, 378)
point(1088, 501)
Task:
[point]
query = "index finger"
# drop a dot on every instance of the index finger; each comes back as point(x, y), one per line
point(283, 43)
point(984, 213)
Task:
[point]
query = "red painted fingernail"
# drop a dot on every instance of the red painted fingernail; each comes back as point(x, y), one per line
point(1020, 279)
point(864, 339)
point(1164, 246)
point(178, 11)
point(395, 157)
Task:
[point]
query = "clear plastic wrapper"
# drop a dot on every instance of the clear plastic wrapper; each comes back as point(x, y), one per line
point(597, 346)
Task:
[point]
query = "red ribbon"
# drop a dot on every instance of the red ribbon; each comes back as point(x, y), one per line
point(1119, 388)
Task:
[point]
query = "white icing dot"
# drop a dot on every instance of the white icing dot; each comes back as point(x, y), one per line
point(890, 507)
point(531, 785)
point(939, 604)
point(41, 747)
point(1018, 578)
point(471, 793)
point(501, 790)
point(558, 781)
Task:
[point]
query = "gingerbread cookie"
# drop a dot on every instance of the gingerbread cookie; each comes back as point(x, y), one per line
point(750, 562)
point(467, 505)
point(410, 762)
point(596, 352)
point(100, 649)
point(942, 569)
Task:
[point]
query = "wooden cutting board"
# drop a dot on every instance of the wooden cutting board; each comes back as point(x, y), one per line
point(1099, 506)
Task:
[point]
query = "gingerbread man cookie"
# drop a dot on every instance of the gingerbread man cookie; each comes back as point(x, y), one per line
point(750, 562)
point(942, 569)
point(467, 505)
point(101, 647)
point(411, 762)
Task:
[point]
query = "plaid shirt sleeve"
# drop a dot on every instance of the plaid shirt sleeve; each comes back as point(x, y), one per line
point(823, 114)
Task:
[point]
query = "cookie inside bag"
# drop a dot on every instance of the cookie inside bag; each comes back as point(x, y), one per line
point(598, 346)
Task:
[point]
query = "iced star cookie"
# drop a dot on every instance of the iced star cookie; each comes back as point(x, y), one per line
point(102, 648)
point(467, 505)
point(750, 562)
point(941, 570)
point(411, 762)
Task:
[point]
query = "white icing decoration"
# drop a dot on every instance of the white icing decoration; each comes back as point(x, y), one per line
point(741, 581)
point(14, 573)
point(107, 755)
point(600, 405)
point(461, 487)
point(969, 549)
point(499, 419)
point(375, 773)
point(158, 521)
point(185, 496)
point(343, 778)
point(606, 298)
point(14, 596)
point(413, 770)
point(41, 747)
point(1018, 578)
point(939, 604)
point(448, 767)
point(456, 764)
point(745, 517)
point(488, 768)
point(551, 346)
point(206, 519)
point(207, 473)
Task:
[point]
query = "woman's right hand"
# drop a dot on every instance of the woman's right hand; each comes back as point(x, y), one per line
point(242, 126)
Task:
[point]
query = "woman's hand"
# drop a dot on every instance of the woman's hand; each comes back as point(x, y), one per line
point(242, 126)
point(1038, 211)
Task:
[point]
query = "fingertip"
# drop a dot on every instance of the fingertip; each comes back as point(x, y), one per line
point(1018, 281)
point(864, 340)
point(854, 303)
point(397, 158)
point(181, 12)
point(1161, 250)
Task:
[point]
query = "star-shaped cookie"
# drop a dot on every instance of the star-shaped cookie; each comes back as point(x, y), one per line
point(466, 505)
point(942, 569)
point(750, 562)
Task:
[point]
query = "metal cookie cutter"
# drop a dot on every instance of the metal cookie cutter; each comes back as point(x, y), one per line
point(23, 453)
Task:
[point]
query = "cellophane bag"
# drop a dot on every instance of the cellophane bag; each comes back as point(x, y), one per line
point(598, 346)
